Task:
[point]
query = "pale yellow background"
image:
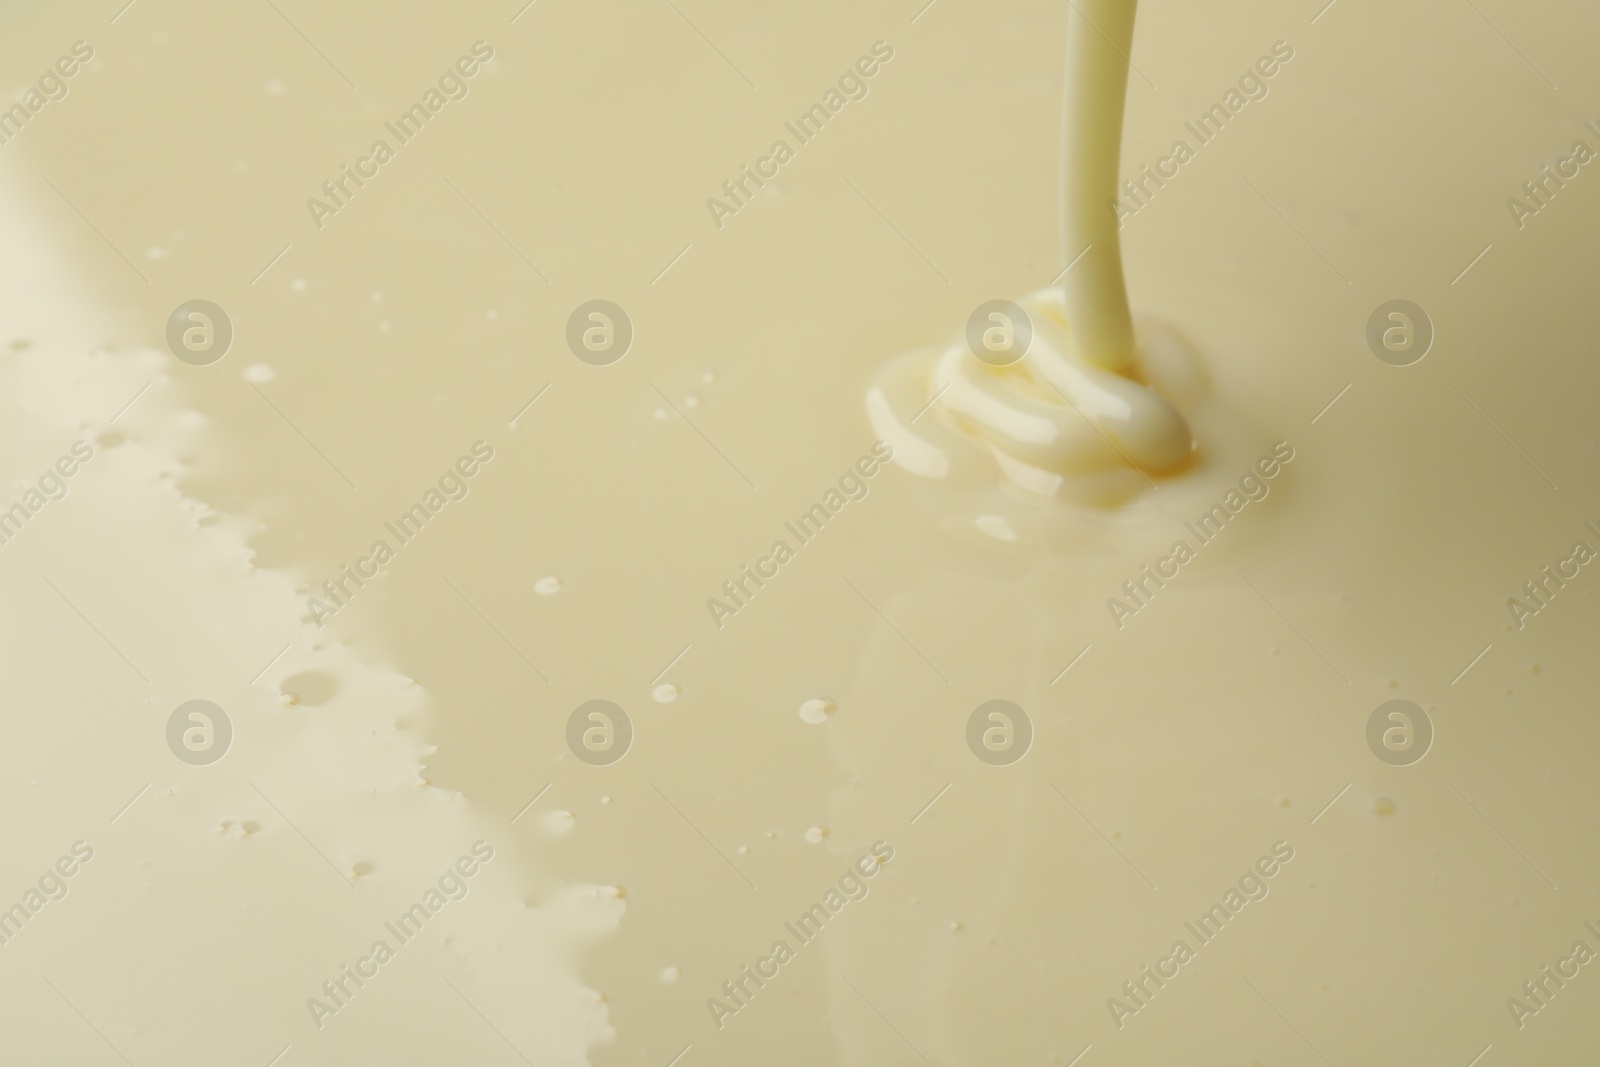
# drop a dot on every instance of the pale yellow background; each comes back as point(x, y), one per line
point(408, 328)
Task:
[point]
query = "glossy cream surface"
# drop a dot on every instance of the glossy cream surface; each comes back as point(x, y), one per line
point(803, 740)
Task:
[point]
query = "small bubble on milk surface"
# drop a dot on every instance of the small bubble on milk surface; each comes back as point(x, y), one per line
point(817, 710)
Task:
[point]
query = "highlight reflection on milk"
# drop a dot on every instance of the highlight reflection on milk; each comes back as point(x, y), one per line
point(1081, 406)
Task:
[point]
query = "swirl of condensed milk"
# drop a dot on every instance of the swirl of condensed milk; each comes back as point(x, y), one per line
point(1091, 407)
point(1052, 422)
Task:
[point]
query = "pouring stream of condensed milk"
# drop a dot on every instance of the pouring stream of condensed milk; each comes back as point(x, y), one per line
point(1064, 394)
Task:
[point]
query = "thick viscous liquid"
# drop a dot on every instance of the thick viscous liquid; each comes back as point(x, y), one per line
point(1183, 744)
point(1057, 389)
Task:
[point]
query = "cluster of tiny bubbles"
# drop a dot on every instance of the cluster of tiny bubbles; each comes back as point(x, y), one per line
point(690, 400)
